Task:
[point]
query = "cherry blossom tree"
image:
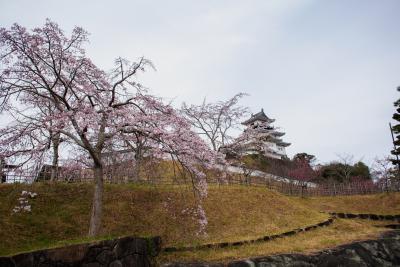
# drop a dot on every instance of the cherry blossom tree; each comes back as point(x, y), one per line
point(91, 109)
point(251, 139)
point(302, 169)
point(55, 140)
point(215, 120)
point(44, 137)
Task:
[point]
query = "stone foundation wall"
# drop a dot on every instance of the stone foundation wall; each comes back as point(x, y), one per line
point(127, 251)
point(384, 251)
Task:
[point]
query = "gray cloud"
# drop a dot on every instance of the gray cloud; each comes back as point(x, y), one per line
point(327, 71)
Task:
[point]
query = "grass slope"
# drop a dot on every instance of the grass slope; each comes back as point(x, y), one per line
point(340, 232)
point(387, 203)
point(60, 214)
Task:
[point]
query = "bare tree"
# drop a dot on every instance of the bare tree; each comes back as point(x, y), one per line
point(215, 120)
point(346, 162)
point(384, 172)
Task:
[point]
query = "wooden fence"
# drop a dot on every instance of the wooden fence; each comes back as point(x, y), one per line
point(295, 189)
point(287, 188)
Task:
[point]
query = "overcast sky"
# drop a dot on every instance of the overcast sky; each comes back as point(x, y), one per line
point(327, 71)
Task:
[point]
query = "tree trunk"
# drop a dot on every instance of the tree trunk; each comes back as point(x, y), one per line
point(136, 170)
point(97, 205)
point(56, 144)
point(214, 145)
point(3, 176)
point(138, 162)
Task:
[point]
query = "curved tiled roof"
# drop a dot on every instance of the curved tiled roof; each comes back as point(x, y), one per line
point(284, 144)
point(260, 116)
point(278, 133)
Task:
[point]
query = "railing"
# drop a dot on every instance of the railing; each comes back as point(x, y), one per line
point(294, 189)
point(283, 186)
point(20, 177)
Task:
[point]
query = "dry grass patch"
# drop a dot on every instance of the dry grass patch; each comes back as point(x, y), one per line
point(386, 203)
point(60, 214)
point(340, 232)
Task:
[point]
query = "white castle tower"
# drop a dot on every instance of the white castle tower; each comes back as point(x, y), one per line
point(262, 138)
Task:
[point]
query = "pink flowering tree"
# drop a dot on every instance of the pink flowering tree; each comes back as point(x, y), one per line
point(42, 139)
point(91, 109)
point(214, 121)
point(302, 169)
point(250, 139)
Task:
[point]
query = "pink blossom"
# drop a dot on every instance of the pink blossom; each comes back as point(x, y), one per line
point(50, 86)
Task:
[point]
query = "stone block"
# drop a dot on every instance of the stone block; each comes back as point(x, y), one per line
point(389, 217)
point(6, 262)
point(374, 217)
point(116, 263)
point(105, 257)
point(98, 254)
point(128, 246)
point(24, 260)
point(154, 246)
point(352, 216)
point(92, 264)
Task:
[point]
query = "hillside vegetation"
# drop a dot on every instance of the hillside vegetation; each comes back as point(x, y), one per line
point(386, 203)
point(340, 232)
point(60, 214)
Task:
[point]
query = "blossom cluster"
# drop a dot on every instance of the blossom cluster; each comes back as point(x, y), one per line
point(23, 205)
point(202, 220)
point(195, 212)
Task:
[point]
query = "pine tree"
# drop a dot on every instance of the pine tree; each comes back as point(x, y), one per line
point(396, 132)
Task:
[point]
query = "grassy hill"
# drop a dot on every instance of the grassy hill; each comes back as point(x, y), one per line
point(340, 232)
point(60, 214)
point(376, 204)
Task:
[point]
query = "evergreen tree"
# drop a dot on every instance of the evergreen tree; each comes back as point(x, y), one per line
point(361, 170)
point(396, 132)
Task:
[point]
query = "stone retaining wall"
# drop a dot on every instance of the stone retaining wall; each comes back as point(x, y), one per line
point(127, 251)
point(384, 251)
point(261, 239)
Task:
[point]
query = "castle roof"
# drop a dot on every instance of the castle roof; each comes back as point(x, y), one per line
point(284, 144)
point(260, 116)
point(277, 133)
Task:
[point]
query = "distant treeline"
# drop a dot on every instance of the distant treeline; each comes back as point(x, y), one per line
point(302, 167)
